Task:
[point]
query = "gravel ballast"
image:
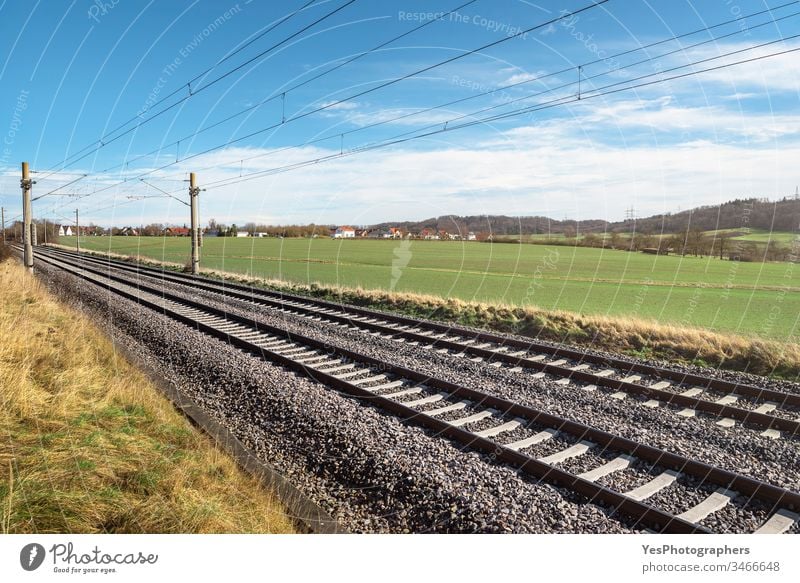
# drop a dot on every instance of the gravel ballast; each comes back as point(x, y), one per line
point(739, 449)
point(367, 469)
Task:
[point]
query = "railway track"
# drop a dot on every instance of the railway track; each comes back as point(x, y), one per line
point(630, 479)
point(771, 412)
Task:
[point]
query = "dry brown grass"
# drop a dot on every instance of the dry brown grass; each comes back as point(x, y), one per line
point(87, 444)
point(637, 337)
point(634, 336)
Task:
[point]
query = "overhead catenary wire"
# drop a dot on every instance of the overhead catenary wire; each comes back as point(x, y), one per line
point(81, 177)
point(606, 86)
point(268, 29)
point(560, 99)
point(385, 84)
point(538, 77)
point(282, 92)
point(454, 102)
point(340, 135)
point(365, 92)
point(165, 192)
point(589, 94)
point(104, 140)
point(401, 138)
point(449, 128)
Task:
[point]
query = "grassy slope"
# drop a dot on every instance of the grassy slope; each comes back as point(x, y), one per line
point(749, 298)
point(763, 236)
point(88, 445)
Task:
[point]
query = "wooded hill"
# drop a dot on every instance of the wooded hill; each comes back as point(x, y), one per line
point(753, 213)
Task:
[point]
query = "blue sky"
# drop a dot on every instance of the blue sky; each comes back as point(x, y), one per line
point(74, 71)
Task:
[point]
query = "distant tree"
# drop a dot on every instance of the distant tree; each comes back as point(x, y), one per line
point(697, 242)
point(721, 244)
point(152, 230)
point(591, 240)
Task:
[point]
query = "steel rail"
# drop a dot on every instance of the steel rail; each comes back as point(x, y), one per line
point(721, 385)
point(763, 420)
point(706, 473)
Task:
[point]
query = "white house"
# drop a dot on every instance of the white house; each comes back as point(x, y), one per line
point(64, 231)
point(344, 232)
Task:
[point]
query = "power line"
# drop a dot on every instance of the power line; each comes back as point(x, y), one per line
point(165, 192)
point(81, 177)
point(605, 90)
point(560, 101)
point(478, 95)
point(385, 84)
point(103, 142)
point(519, 83)
point(282, 92)
point(554, 103)
point(448, 128)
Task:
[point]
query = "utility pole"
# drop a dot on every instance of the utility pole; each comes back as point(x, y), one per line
point(3, 218)
point(26, 184)
point(45, 231)
point(77, 233)
point(194, 191)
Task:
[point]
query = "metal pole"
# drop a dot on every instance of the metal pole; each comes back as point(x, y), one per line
point(3, 217)
point(77, 233)
point(26, 185)
point(193, 193)
point(45, 231)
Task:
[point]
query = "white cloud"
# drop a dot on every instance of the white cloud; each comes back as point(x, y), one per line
point(662, 117)
point(766, 76)
point(519, 78)
point(585, 180)
point(690, 142)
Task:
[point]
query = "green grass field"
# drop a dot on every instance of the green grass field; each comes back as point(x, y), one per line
point(764, 236)
point(760, 299)
point(761, 236)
